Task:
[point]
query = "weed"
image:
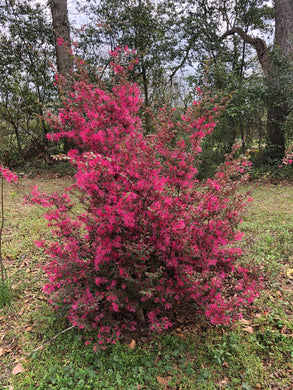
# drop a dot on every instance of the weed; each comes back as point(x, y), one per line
point(5, 293)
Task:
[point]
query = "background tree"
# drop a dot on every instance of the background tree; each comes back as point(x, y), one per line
point(26, 49)
point(275, 64)
point(180, 36)
point(226, 68)
point(152, 29)
point(174, 40)
point(61, 28)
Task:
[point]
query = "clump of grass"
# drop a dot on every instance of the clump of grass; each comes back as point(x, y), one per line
point(5, 293)
point(5, 289)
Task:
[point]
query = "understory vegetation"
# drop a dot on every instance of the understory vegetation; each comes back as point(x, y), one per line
point(253, 353)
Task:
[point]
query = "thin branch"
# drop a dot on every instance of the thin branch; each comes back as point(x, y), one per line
point(259, 45)
point(185, 58)
point(40, 347)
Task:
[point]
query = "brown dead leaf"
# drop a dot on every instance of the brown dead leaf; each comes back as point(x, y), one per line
point(222, 384)
point(234, 326)
point(164, 380)
point(284, 329)
point(42, 298)
point(279, 293)
point(2, 351)
point(248, 329)
point(20, 313)
point(17, 369)
point(132, 344)
point(244, 321)
point(181, 336)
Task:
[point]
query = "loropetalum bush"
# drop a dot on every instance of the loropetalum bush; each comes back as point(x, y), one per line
point(9, 176)
point(142, 235)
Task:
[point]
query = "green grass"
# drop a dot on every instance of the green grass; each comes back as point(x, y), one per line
point(255, 353)
point(5, 293)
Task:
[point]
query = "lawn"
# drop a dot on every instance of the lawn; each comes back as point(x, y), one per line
point(254, 353)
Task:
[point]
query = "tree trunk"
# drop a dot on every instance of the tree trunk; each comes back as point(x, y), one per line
point(61, 29)
point(278, 109)
point(284, 26)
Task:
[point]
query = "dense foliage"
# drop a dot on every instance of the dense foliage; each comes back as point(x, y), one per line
point(26, 87)
point(174, 41)
point(144, 235)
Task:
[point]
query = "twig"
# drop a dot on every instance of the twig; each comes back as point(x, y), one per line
point(40, 347)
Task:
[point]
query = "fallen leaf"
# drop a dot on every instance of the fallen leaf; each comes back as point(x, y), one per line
point(234, 326)
point(244, 321)
point(2, 351)
point(164, 381)
point(132, 344)
point(248, 329)
point(42, 298)
point(181, 336)
point(290, 273)
point(279, 293)
point(222, 384)
point(284, 329)
point(20, 313)
point(17, 369)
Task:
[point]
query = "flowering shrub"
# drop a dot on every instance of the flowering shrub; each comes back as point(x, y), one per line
point(8, 175)
point(143, 234)
point(288, 158)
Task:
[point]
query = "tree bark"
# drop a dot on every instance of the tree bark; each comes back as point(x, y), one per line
point(284, 26)
point(61, 28)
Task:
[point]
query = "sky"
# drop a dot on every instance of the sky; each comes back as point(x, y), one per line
point(76, 18)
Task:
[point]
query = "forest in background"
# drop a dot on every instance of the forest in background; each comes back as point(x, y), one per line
point(241, 49)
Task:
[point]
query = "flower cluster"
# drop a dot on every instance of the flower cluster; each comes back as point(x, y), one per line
point(137, 234)
point(8, 175)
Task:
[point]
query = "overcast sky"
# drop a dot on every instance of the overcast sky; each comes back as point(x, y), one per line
point(75, 17)
point(78, 19)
